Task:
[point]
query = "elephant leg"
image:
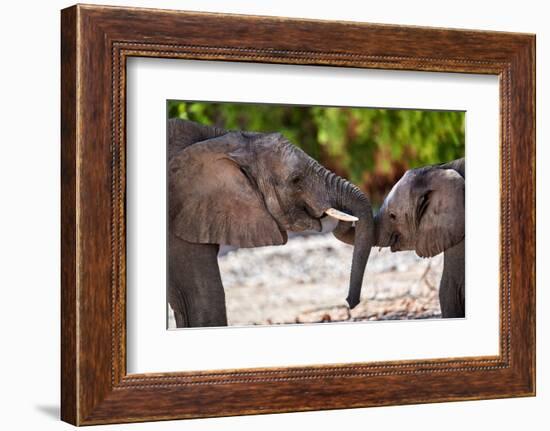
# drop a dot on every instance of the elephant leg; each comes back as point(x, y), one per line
point(451, 299)
point(181, 317)
point(451, 288)
point(195, 289)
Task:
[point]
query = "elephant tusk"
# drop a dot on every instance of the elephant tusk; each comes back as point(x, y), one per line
point(339, 215)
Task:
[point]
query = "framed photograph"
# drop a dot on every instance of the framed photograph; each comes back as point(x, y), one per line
point(263, 214)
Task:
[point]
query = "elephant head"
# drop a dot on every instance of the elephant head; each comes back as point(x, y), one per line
point(424, 210)
point(248, 189)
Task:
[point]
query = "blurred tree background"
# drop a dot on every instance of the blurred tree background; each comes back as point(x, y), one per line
point(370, 147)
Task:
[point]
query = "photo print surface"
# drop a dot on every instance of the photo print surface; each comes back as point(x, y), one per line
point(286, 214)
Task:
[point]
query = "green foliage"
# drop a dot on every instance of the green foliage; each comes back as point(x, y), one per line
point(370, 147)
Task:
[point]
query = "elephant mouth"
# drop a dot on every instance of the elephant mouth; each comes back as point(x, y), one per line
point(394, 241)
point(312, 219)
point(305, 224)
point(318, 224)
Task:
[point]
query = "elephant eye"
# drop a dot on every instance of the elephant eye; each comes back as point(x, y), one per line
point(393, 216)
point(296, 179)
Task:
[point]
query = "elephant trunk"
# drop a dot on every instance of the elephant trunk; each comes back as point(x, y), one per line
point(382, 232)
point(377, 231)
point(349, 198)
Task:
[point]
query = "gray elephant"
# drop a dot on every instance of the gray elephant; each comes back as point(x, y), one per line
point(247, 190)
point(424, 211)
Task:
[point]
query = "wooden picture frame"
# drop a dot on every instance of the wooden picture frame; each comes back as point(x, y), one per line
point(95, 43)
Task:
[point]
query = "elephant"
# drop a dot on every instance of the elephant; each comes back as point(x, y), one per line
point(424, 211)
point(245, 189)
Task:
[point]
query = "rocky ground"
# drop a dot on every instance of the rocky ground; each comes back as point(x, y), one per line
point(305, 281)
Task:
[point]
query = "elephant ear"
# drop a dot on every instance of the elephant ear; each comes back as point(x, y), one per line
point(440, 213)
point(213, 198)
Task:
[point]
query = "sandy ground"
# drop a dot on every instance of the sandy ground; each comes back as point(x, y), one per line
point(306, 281)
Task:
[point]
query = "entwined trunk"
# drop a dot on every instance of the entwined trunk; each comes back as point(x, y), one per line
point(345, 196)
